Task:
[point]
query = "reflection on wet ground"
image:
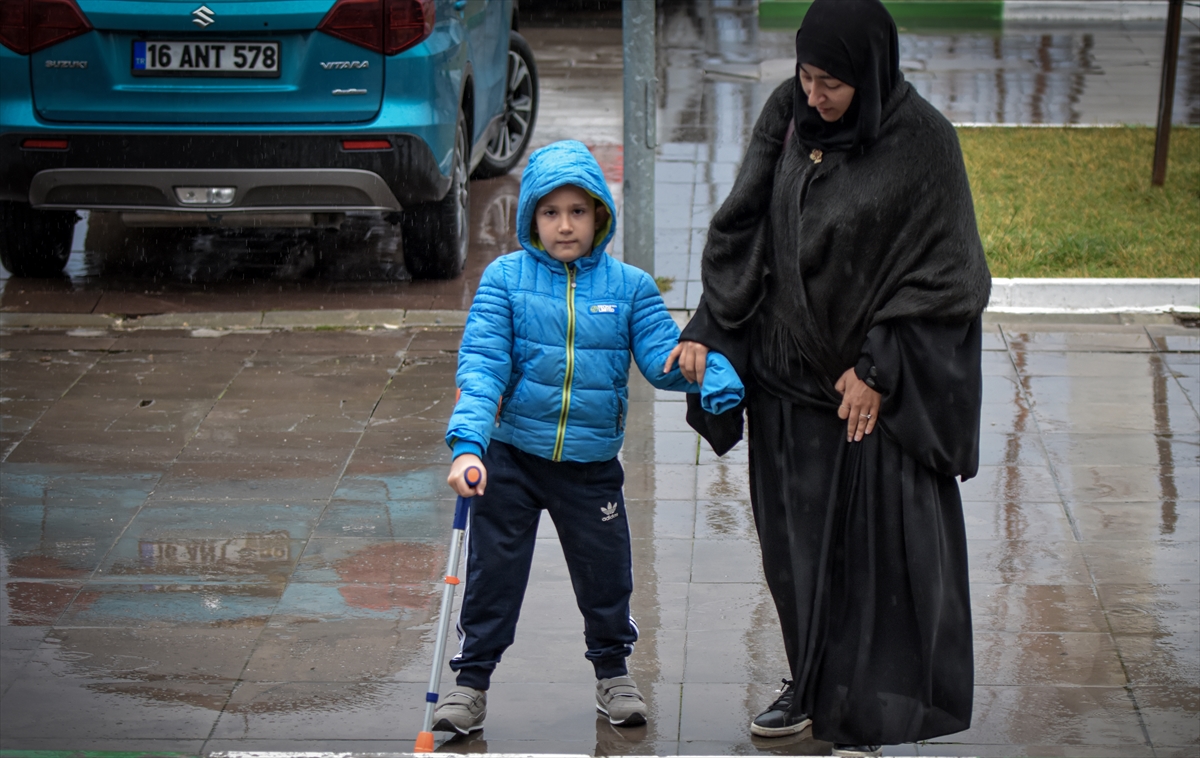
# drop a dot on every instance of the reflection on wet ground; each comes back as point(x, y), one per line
point(134, 272)
point(235, 542)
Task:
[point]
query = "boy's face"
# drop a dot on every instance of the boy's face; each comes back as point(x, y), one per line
point(567, 222)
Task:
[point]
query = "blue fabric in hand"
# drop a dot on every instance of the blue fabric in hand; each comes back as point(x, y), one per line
point(722, 388)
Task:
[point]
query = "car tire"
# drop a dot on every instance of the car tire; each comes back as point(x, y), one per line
point(505, 149)
point(35, 243)
point(435, 235)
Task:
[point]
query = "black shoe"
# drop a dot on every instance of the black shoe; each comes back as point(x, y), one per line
point(857, 751)
point(777, 720)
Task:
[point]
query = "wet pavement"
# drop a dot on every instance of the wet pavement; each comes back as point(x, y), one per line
point(222, 538)
point(232, 540)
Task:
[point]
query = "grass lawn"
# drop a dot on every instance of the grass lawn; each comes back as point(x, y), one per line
point(1077, 202)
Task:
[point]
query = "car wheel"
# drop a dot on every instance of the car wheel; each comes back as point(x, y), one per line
point(435, 235)
point(520, 112)
point(35, 243)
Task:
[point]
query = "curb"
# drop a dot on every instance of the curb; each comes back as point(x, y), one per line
point(1083, 296)
point(1049, 297)
point(241, 320)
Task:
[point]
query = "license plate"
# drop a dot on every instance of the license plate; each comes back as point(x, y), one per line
point(175, 58)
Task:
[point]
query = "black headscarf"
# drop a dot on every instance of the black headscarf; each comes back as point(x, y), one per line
point(855, 41)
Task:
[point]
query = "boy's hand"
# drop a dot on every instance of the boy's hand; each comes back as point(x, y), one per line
point(457, 479)
point(692, 357)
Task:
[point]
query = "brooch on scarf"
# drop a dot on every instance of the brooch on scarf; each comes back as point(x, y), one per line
point(815, 156)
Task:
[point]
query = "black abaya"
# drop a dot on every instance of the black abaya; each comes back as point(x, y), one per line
point(864, 549)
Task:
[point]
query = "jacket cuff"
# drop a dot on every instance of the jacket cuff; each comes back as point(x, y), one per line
point(866, 371)
point(463, 447)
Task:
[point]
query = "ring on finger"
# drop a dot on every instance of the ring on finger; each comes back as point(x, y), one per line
point(867, 416)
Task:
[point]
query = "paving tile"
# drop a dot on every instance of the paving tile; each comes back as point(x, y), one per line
point(1091, 716)
point(667, 480)
point(668, 519)
point(43, 341)
point(1047, 658)
point(166, 746)
point(1138, 395)
point(229, 480)
point(180, 603)
point(722, 481)
point(43, 374)
point(402, 482)
point(339, 649)
point(1027, 562)
point(1159, 610)
point(729, 607)
point(997, 449)
point(1166, 451)
point(1080, 337)
point(66, 485)
point(1038, 751)
point(1083, 417)
point(1131, 367)
point(1172, 715)
point(1037, 608)
point(1011, 483)
point(1169, 520)
point(672, 558)
point(657, 604)
point(721, 561)
point(1118, 483)
point(105, 707)
point(752, 654)
point(363, 712)
point(413, 521)
point(1017, 520)
point(59, 541)
point(1125, 562)
point(725, 519)
point(98, 448)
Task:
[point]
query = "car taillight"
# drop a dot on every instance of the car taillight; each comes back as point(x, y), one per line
point(27, 26)
point(385, 26)
point(366, 144)
point(45, 144)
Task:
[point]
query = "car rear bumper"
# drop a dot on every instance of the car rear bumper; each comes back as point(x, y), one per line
point(155, 189)
point(311, 173)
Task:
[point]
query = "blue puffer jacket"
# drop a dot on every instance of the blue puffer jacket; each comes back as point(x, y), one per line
point(550, 342)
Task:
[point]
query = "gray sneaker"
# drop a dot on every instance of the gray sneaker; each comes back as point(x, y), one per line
point(461, 711)
point(619, 699)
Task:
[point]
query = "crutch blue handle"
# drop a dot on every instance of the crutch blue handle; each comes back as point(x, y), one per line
point(462, 507)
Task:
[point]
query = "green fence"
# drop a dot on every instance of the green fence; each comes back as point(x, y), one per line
point(914, 16)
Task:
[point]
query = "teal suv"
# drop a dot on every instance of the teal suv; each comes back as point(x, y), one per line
point(256, 113)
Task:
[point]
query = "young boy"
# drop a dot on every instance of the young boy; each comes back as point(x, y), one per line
point(543, 380)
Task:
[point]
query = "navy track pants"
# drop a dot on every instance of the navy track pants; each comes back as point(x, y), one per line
point(587, 505)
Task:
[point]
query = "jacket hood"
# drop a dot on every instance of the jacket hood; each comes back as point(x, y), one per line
point(551, 167)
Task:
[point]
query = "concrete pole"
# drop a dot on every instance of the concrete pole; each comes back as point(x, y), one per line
point(638, 18)
point(1166, 93)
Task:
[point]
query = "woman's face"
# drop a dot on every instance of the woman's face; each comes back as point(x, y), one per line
point(830, 96)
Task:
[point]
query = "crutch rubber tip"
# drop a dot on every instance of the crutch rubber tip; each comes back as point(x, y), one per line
point(424, 743)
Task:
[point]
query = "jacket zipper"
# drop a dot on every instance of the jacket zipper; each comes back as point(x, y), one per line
point(566, 390)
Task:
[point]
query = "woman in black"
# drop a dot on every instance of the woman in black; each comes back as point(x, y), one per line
point(845, 277)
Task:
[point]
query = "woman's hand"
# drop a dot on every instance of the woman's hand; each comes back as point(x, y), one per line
point(457, 479)
point(860, 406)
point(692, 357)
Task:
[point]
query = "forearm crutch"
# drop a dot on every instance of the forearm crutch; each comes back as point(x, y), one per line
point(472, 476)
